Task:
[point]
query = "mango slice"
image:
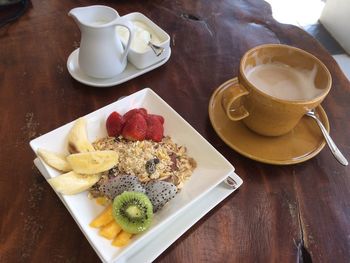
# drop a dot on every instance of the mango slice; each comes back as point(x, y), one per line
point(104, 218)
point(122, 239)
point(111, 230)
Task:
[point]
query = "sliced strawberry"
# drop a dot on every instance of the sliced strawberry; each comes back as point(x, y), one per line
point(161, 118)
point(114, 124)
point(155, 128)
point(135, 128)
point(130, 113)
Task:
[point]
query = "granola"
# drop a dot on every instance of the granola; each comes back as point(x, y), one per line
point(149, 160)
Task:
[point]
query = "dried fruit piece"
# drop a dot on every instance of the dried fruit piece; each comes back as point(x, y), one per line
point(135, 128)
point(120, 184)
point(77, 138)
point(72, 183)
point(55, 160)
point(159, 193)
point(93, 162)
point(122, 239)
point(155, 128)
point(151, 165)
point(104, 218)
point(114, 124)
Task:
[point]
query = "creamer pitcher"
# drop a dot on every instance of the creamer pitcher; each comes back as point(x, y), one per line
point(101, 53)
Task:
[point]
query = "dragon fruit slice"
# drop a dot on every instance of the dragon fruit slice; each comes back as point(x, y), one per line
point(159, 193)
point(119, 184)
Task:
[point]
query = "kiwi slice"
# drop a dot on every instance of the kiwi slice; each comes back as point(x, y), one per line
point(133, 211)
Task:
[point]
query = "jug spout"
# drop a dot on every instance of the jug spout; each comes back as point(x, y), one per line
point(94, 16)
point(75, 13)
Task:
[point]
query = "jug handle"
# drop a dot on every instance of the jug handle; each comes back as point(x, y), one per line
point(125, 23)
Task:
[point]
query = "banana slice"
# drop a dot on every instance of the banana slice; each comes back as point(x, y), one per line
point(55, 160)
point(92, 162)
point(77, 138)
point(72, 183)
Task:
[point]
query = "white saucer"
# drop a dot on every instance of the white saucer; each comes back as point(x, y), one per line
point(130, 71)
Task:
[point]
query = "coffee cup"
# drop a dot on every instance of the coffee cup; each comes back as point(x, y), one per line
point(277, 85)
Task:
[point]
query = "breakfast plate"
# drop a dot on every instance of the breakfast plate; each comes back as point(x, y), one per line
point(150, 248)
point(302, 143)
point(129, 73)
point(212, 169)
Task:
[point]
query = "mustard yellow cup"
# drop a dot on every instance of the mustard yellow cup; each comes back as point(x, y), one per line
point(266, 114)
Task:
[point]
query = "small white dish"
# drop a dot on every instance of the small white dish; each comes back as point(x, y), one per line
point(146, 58)
point(130, 71)
point(212, 168)
point(150, 248)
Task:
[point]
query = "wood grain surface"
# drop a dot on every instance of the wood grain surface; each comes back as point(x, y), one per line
point(277, 206)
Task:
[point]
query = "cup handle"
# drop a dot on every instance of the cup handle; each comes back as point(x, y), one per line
point(129, 26)
point(231, 102)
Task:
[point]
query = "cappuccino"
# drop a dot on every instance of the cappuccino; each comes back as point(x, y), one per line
point(284, 82)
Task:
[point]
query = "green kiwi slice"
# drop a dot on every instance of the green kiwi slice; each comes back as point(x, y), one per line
point(133, 211)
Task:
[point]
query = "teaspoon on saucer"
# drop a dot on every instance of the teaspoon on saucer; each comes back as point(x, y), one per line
point(332, 146)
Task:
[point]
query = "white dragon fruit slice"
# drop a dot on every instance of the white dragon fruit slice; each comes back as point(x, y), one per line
point(120, 184)
point(159, 193)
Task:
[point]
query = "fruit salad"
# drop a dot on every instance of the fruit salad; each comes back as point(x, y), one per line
point(135, 170)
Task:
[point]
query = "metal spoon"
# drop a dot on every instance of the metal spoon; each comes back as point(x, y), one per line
point(156, 49)
point(230, 182)
point(334, 149)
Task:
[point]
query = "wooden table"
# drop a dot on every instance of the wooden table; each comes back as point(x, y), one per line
point(276, 207)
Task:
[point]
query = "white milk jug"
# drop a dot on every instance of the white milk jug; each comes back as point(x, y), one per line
point(101, 53)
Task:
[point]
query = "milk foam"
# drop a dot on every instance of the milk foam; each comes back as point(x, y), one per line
point(284, 82)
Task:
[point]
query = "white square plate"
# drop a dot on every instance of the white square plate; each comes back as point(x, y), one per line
point(150, 248)
point(212, 168)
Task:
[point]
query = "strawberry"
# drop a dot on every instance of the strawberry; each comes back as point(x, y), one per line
point(135, 127)
point(155, 128)
point(161, 118)
point(114, 124)
point(133, 111)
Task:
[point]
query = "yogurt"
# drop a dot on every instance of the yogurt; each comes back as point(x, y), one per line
point(142, 36)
